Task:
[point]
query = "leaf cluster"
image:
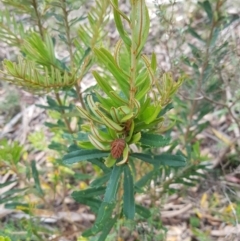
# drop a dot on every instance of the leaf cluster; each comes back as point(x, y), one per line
point(121, 120)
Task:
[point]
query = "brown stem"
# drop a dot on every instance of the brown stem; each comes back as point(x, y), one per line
point(67, 28)
point(69, 43)
point(80, 98)
point(39, 23)
point(63, 113)
point(192, 111)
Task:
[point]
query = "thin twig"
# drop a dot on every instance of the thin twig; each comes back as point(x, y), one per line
point(39, 22)
point(63, 114)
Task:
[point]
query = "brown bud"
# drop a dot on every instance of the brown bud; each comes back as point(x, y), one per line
point(117, 147)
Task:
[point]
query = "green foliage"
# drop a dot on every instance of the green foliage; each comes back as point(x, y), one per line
point(118, 124)
point(206, 86)
point(10, 153)
point(4, 238)
point(125, 116)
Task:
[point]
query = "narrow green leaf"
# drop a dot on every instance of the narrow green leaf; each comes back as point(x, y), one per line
point(87, 233)
point(103, 216)
point(171, 160)
point(57, 146)
point(100, 180)
point(128, 196)
point(14, 191)
point(143, 89)
point(100, 164)
point(36, 177)
point(195, 34)
point(114, 95)
point(207, 8)
point(89, 192)
point(142, 211)
point(11, 198)
point(119, 24)
point(108, 60)
point(112, 185)
point(7, 183)
point(149, 69)
point(165, 109)
point(195, 51)
point(85, 114)
point(141, 29)
point(162, 159)
point(14, 205)
point(150, 114)
point(142, 125)
point(107, 228)
point(144, 105)
point(81, 176)
point(154, 140)
point(106, 103)
point(154, 62)
point(93, 203)
point(83, 155)
point(144, 180)
point(109, 122)
point(102, 82)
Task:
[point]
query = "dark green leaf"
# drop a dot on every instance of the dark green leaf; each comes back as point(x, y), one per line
point(93, 203)
point(100, 164)
point(104, 213)
point(142, 125)
point(107, 228)
point(14, 205)
point(62, 37)
point(11, 198)
point(60, 125)
point(90, 192)
point(103, 216)
point(36, 177)
point(74, 147)
point(6, 183)
point(87, 233)
point(215, 35)
point(112, 185)
point(145, 157)
point(86, 53)
point(81, 176)
point(100, 180)
point(162, 159)
point(195, 51)
point(154, 140)
point(83, 155)
point(165, 110)
point(171, 160)
point(144, 180)
point(57, 146)
point(119, 25)
point(195, 34)
point(207, 8)
point(128, 196)
point(15, 190)
point(142, 211)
